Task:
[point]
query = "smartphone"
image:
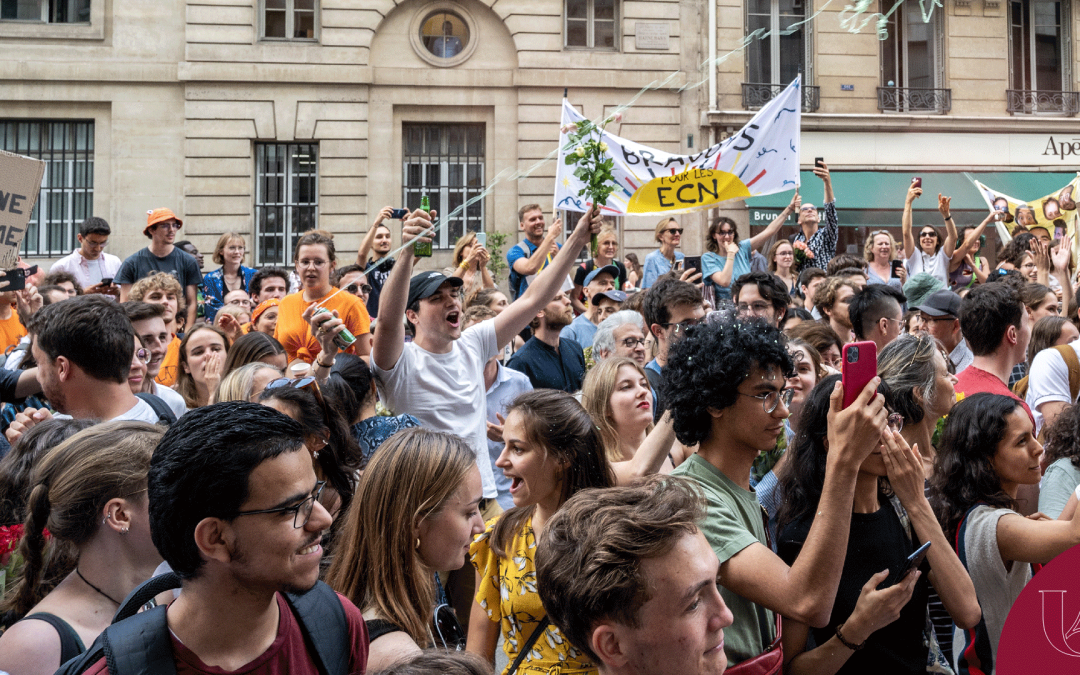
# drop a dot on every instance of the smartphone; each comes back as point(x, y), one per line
point(692, 261)
point(819, 161)
point(858, 367)
point(912, 563)
point(481, 238)
point(399, 214)
point(17, 278)
point(917, 181)
point(896, 265)
point(107, 282)
point(678, 266)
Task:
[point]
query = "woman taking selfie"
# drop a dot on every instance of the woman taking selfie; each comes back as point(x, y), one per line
point(870, 630)
point(552, 450)
point(988, 450)
point(415, 513)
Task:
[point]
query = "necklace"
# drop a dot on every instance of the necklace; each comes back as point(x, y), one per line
point(95, 587)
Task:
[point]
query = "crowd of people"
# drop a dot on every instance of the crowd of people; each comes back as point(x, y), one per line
point(619, 468)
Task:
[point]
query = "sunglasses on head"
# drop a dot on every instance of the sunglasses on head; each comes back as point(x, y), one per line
point(309, 384)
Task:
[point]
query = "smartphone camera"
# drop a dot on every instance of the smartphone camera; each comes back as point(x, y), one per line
point(399, 214)
point(853, 354)
point(819, 162)
point(917, 181)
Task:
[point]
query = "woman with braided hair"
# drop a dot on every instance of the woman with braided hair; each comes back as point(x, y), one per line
point(90, 493)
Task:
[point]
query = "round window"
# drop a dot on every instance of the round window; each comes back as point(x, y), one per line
point(444, 34)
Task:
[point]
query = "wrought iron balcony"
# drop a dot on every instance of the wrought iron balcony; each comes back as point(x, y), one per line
point(755, 95)
point(911, 99)
point(1030, 101)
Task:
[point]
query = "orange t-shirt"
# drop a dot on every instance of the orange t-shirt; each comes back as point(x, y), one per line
point(166, 377)
point(11, 330)
point(294, 333)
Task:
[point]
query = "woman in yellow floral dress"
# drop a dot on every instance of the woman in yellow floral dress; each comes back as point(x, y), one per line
point(552, 450)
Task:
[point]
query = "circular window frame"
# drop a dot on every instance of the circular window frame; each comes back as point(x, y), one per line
point(422, 50)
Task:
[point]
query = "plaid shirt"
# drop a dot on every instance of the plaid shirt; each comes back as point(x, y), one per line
point(823, 243)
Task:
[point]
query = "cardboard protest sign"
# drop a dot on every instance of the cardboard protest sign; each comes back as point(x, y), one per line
point(761, 159)
point(20, 182)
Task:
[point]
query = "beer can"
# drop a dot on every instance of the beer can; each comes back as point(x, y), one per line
point(345, 338)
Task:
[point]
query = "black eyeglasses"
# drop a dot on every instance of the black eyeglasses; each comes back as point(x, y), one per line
point(630, 343)
point(447, 629)
point(726, 233)
point(682, 326)
point(301, 512)
point(770, 399)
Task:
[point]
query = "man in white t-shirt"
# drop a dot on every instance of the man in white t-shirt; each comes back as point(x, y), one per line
point(439, 376)
point(929, 253)
point(83, 348)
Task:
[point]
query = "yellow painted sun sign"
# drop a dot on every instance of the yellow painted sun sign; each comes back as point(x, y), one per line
point(690, 189)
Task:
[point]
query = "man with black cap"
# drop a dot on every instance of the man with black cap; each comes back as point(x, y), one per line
point(439, 376)
point(940, 313)
point(162, 256)
point(604, 300)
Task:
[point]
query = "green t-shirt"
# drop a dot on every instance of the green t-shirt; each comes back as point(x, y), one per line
point(733, 521)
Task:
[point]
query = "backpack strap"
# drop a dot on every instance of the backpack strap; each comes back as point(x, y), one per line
point(325, 628)
point(140, 645)
point(166, 417)
point(1073, 363)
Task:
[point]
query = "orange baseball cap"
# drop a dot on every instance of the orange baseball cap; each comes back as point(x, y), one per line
point(155, 216)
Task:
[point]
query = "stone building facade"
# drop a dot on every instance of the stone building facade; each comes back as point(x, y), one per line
point(267, 117)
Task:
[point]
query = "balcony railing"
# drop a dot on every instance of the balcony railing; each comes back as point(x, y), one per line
point(911, 99)
point(1030, 101)
point(755, 95)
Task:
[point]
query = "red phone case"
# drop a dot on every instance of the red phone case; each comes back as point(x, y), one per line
point(856, 374)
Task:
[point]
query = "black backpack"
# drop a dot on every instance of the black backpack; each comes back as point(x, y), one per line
point(140, 644)
point(166, 417)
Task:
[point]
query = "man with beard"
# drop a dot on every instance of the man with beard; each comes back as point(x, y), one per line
point(83, 348)
point(551, 362)
point(235, 512)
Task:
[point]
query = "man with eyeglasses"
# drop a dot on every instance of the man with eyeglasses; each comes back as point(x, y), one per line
point(162, 256)
point(235, 511)
point(876, 315)
point(725, 387)
point(821, 240)
point(89, 263)
point(83, 348)
point(621, 334)
point(671, 307)
point(148, 321)
point(353, 280)
point(761, 295)
point(940, 314)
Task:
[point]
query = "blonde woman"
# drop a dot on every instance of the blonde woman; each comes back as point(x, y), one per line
point(414, 513)
point(617, 395)
point(231, 276)
point(90, 493)
point(470, 264)
point(879, 251)
point(662, 260)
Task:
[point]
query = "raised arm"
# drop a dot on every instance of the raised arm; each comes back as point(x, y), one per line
point(970, 240)
point(910, 245)
point(822, 172)
point(369, 238)
point(758, 240)
point(650, 454)
point(806, 590)
point(1035, 541)
point(543, 288)
point(944, 207)
point(1060, 258)
point(533, 264)
point(390, 338)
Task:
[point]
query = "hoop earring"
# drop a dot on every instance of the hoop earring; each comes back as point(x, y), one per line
point(418, 543)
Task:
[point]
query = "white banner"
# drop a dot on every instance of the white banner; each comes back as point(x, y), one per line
point(762, 158)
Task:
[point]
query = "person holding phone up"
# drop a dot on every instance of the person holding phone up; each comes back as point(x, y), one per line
point(470, 263)
point(931, 253)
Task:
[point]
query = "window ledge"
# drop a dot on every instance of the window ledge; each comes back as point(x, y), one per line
point(37, 30)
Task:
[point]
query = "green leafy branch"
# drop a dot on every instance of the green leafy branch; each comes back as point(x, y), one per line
point(594, 166)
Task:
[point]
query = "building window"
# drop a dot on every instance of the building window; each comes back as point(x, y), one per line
point(780, 57)
point(444, 34)
point(47, 11)
point(1040, 61)
point(591, 23)
point(289, 19)
point(912, 62)
point(286, 198)
point(446, 162)
point(67, 189)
